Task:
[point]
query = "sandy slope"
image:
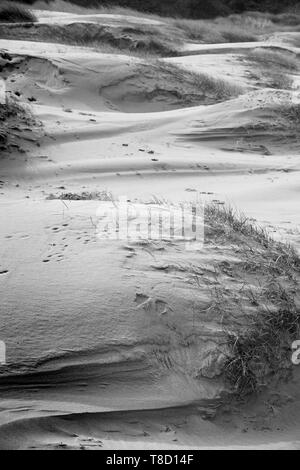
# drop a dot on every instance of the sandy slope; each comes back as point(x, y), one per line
point(98, 332)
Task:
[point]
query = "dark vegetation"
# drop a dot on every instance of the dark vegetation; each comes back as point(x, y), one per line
point(149, 39)
point(273, 68)
point(16, 126)
point(84, 196)
point(10, 13)
point(146, 40)
point(192, 8)
point(260, 343)
point(7, 111)
point(137, 41)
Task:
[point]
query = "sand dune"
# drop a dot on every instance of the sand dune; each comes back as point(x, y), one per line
point(110, 344)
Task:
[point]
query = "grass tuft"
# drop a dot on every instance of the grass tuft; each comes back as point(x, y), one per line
point(212, 32)
point(199, 87)
point(291, 112)
point(263, 350)
point(8, 110)
point(84, 196)
point(259, 347)
point(227, 222)
point(273, 68)
point(269, 58)
point(13, 118)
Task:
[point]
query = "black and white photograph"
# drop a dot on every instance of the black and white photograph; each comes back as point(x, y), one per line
point(149, 227)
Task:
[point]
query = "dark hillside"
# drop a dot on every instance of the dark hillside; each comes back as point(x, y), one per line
point(193, 8)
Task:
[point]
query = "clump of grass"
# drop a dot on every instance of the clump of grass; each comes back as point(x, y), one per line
point(14, 116)
point(263, 349)
point(3, 134)
point(259, 347)
point(228, 222)
point(263, 23)
point(224, 219)
point(148, 40)
point(254, 23)
point(198, 87)
point(212, 32)
point(272, 68)
point(291, 112)
point(280, 81)
point(10, 13)
point(287, 19)
point(294, 40)
point(8, 110)
point(271, 58)
point(273, 79)
point(84, 196)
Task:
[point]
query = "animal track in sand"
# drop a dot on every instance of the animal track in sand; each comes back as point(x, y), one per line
point(18, 236)
point(58, 246)
point(64, 237)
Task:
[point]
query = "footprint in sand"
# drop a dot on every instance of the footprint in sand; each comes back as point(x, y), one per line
point(130, 251)
point(141, 299)
point(161, 307)
point(151, 305)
